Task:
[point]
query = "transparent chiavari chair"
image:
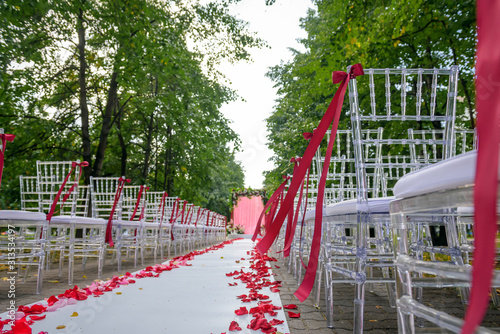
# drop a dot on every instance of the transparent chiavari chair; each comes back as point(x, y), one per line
point(388, 109)
point(71, 233)
point(24, 242)
point(126, 228)
point(155, 218)
point(340, 186)
point(440, 195)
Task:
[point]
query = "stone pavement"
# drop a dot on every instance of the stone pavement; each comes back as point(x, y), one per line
point(380, 318)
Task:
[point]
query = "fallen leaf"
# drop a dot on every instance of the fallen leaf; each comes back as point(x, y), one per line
point(118, 293)
point(75, 314)
point(84, 276)
point(140, 288)
point(60, 327)
point(53, 281)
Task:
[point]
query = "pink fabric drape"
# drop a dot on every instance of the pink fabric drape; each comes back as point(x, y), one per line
point(247, 212)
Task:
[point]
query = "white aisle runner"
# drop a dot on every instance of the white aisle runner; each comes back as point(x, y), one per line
point(190, 299)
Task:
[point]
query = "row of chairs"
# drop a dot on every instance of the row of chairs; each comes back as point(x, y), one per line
point(61, 219)
point(397, 208)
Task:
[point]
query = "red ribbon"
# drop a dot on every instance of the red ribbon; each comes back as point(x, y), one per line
point(4, 137)
point(139, 196)
point(74, 164)
point(332, 114)
point(272, 199)
point(486, 182)
point(200, 213)
point(162, 207)
point(290, 227)
point(288, 243)
point(109, 227)
point(174, 217)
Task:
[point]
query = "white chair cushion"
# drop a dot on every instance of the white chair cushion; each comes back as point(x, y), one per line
point(151, 225)
point(311, 214)
point(125, 223)
point(21, 215)
point(452, 173)
point(375, 205)
point(77, 220)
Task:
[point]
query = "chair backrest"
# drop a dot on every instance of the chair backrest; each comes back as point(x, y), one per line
point(50, 177)
point(102, 192)
point(400, 112)
point(29, 194)
point(465, 140)
point(153, 212)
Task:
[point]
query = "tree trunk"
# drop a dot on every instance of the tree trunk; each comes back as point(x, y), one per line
point(84, 110)
point(106, 124)
point(168, 177)
point(123, 146)
point(149, 139)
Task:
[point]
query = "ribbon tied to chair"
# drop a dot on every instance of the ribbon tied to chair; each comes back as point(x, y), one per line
point(74, 164)
point(486, 181)
point(161, 207)
point(109, 226)
point(272, 200)
point(4, 137)
point(331, 117)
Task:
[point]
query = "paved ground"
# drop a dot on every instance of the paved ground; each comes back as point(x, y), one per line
point(379, 316)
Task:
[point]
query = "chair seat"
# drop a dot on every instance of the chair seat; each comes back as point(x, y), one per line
point(151, 225)
point(63, 219)
point(452, 173)
point(22, 215)
point(375, 205)
point(126, 223)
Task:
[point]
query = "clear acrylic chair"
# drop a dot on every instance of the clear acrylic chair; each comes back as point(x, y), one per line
point(439, 195)
point(71, 233)
point(126, 228)
point(418, 106)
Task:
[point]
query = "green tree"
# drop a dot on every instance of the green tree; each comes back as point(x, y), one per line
point(379, 34)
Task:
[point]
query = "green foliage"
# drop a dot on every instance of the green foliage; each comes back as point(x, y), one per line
point(129, 86)
point(378, 34)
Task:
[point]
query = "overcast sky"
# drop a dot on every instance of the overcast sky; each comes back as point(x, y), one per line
point(278, 25)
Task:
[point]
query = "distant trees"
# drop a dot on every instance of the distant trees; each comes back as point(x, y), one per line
point(128, 85)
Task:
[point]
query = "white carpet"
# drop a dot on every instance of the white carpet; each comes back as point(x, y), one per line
point(191, 299)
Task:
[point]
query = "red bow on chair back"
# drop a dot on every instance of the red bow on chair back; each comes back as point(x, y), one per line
point(109, 227)
point(4, 137)
point(331, 115)
point(74, 164)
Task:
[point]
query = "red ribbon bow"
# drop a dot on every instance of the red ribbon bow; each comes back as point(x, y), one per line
point(109, 226)
point(308, 135)
point(74, 164)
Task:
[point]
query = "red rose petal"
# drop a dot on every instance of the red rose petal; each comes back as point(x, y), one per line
point(37, 317)
point(241, 311)
point(234, 326)
point(290, 306)
point(293, 315)
point(275, 322)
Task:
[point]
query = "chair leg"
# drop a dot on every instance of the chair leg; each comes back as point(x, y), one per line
point(359, 307)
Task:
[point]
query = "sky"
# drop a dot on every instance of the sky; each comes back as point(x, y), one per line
point(279, 26)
